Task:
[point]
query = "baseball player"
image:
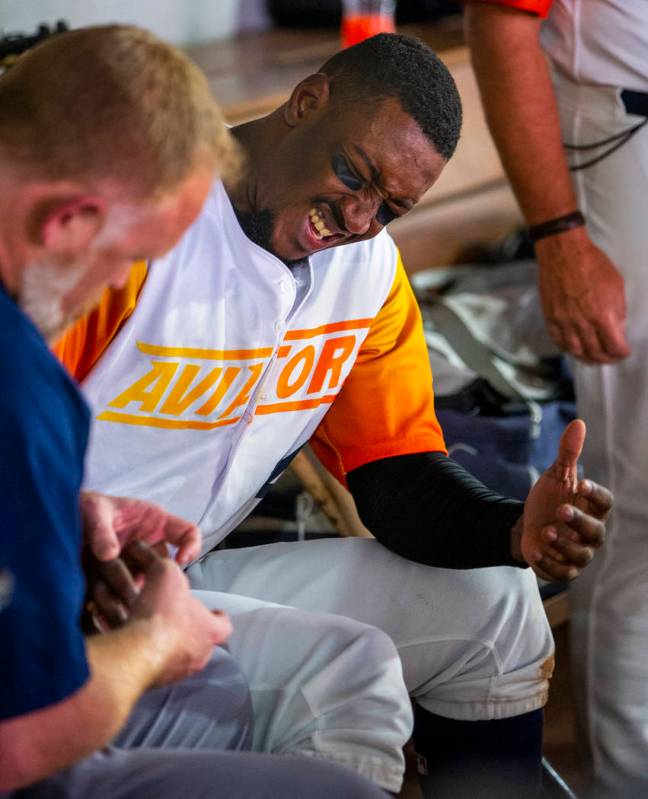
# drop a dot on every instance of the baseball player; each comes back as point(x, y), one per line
point(284, 316)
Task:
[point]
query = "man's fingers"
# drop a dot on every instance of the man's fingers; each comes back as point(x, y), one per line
point(103, 542)
point(572, 341)
point(614, 342)
point(222, 626)
point(117, 577)
point(184, 536)
point(98, 525)
point(549, 569)
point(594, 344)
point(101, 534)
point(141, 555)
point(590, 529)
point(602, 341)
point(567, 552)
point(598, 498)
point(111, 610)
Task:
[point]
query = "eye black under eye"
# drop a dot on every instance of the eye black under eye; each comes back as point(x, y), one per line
point(384, 214)
point(343, 172)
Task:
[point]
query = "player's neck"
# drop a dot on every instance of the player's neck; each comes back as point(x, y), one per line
point(258, 139)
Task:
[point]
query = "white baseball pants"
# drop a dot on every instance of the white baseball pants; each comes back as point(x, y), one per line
point(325, 673)
point(610, 599)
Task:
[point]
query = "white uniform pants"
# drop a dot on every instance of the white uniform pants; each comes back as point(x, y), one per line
point(473, 645)
point(172, 747)
point(610, 600)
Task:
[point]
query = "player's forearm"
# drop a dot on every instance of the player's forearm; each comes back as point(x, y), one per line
point(518, 99)
point(427, 508)
point(123, 664)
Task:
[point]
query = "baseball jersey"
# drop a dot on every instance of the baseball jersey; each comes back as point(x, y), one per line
point(594, 41)
point(214, 377)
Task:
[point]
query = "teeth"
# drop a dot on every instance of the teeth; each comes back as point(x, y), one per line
point(318, 224)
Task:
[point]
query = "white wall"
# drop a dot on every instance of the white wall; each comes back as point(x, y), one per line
point(183, 22)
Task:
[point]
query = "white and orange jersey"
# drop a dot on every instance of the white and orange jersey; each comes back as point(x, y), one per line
point(204, 380)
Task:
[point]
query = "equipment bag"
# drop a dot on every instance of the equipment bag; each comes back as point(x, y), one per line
point(502, 391)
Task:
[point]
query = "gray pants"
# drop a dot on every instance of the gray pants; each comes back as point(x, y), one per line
point(172, 748)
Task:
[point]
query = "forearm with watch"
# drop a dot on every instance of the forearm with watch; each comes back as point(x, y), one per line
point(582, 291)
point(520, 106)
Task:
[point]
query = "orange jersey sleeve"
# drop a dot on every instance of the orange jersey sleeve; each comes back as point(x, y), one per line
point(386, 406)
point(539, 7)
point(83, 343)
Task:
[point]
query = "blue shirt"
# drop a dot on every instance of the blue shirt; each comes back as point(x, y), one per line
point(44, 426)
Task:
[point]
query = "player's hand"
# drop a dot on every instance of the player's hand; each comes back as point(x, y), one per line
point(583, 297)
point(186, 631)
point(564, 520)
point(111, 522)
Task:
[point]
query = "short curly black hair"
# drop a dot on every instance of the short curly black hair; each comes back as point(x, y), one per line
point(393, 65)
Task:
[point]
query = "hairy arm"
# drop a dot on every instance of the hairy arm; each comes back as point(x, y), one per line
point(169, 636)
point(39, 743)
point(581, 290)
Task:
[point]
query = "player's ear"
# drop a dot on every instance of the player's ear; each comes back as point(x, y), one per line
point(309, 96)
point(68, 226)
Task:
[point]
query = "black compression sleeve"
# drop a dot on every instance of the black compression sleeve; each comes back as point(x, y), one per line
point(428, 508)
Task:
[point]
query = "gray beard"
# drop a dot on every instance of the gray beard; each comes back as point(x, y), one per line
point(40, 296)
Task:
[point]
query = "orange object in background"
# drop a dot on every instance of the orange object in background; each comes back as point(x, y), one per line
point(364, 18)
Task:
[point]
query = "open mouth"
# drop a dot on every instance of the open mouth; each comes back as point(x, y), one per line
point(318, 228)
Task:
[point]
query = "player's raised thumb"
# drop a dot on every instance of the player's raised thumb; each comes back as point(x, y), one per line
point(571, 443)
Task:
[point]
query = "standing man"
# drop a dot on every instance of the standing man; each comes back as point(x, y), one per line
point(591, 240)
point(96, 170)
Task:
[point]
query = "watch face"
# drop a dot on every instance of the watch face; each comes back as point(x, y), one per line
point(6, 588)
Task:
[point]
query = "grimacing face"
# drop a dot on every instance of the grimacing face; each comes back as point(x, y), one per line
point(340, 176)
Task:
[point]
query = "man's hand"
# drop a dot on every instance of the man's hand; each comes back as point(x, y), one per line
point(583, 297)
point(185, 631)
point(111, 522)
point(564, 519)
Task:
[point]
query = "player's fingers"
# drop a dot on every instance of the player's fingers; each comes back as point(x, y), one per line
point(598, 498)
point(565, 551)
point(590, 529)
point(549, 569)
point(118, 579)
point(141, 555)
point(110, 609)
